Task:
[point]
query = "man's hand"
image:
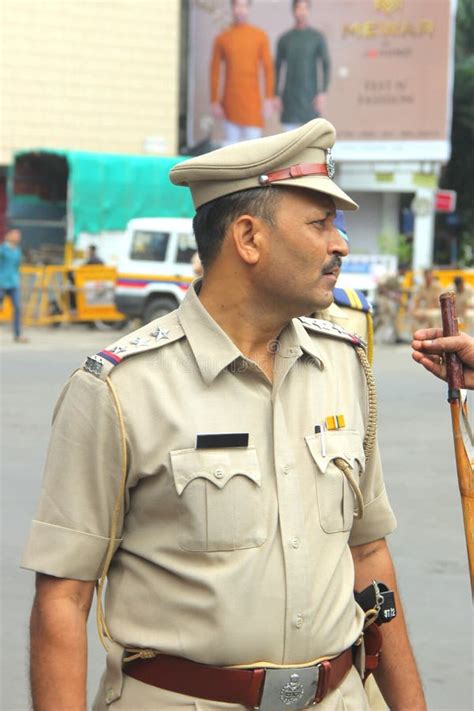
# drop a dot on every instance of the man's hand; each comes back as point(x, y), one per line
point(397, 674)
point(319, 103)
point(277, 104)
point(58, 643)
point(429, 344)
point(217, 111)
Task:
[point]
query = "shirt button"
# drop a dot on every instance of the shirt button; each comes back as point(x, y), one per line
point(299, 621)
point(286, 469)
point(295, 542)
point(219, 473)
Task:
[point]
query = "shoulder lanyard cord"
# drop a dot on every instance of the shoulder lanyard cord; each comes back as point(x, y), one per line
point(370, 433)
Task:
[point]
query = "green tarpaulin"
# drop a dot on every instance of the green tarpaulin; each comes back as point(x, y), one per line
point(106, 190)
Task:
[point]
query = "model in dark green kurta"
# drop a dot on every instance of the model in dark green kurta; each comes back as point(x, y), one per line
point(305, 54)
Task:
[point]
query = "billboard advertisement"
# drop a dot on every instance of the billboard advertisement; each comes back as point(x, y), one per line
point(384, 68)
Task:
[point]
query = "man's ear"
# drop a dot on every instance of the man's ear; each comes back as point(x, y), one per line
point(247, 233)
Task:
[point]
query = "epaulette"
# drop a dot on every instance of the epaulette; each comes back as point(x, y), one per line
point(326, 328)
point(352, 299)
point(155, 334)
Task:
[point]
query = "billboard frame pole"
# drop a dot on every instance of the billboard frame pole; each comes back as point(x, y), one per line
point(423, 207)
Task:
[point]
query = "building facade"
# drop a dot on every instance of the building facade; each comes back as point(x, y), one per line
point(131, 77)
point(95, 75)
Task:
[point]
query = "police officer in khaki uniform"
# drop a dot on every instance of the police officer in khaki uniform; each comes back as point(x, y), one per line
point(425, 304)
point(219, 467)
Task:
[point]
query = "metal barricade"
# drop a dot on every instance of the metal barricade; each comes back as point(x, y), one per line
point(60, 294)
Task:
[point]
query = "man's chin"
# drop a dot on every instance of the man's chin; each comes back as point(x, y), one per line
point(324, 301)
point(319, 305)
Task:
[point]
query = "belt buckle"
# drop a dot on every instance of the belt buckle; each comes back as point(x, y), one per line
point(285, 689)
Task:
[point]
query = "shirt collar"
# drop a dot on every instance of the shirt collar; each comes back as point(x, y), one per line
point(211, 346)
point(335, 311)
point(214, 350)
point(307, 344)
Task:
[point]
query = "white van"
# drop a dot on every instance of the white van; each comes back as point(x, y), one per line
point(154, 267)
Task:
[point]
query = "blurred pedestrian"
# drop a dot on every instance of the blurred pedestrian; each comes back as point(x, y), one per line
point(388, 301)
point(92, 256)
point(303, 53)
point(10, 285)
point(464, 303)
point(425, 305)
point(245, 52)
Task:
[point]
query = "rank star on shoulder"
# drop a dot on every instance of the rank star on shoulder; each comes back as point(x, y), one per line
point(138, 342)
point(160, 334)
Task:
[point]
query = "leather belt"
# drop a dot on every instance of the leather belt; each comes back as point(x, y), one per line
point(262, 688)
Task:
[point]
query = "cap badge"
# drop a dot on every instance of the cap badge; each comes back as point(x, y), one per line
point(331, 166)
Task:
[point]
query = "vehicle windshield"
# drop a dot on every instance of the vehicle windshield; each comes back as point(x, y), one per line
point(186, 247)
point(148, 245)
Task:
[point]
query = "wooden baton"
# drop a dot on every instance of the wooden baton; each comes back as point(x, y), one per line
point(455, 378)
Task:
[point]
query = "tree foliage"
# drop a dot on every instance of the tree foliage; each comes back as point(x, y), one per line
point(459, 173)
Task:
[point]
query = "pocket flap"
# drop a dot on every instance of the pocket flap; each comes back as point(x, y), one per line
point(216, 465)
point(346, 444)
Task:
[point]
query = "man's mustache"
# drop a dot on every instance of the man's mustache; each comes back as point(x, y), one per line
point(335, 263)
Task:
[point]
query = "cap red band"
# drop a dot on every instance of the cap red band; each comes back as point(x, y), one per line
point(294, 171)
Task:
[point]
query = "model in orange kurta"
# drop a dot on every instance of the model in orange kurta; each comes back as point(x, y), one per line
point(244, 50)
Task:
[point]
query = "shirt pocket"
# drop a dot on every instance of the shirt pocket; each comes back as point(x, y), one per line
point(221, 502)
point(336, 498)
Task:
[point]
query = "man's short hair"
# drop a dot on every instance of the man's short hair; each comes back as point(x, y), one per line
point(213, 219)
point(295, 3)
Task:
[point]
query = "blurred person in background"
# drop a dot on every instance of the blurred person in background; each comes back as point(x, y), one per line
point(10, 261)
point(388, 301)
point(92, 256)
point(464, 304)
point(303, 53)
point(245, 51)
point(425, 305)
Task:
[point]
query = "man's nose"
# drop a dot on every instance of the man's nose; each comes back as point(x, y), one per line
point(338, 244)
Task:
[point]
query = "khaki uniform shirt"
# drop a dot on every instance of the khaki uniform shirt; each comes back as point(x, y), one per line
point(428, 296)
point(351, 320)
point(228, 555)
